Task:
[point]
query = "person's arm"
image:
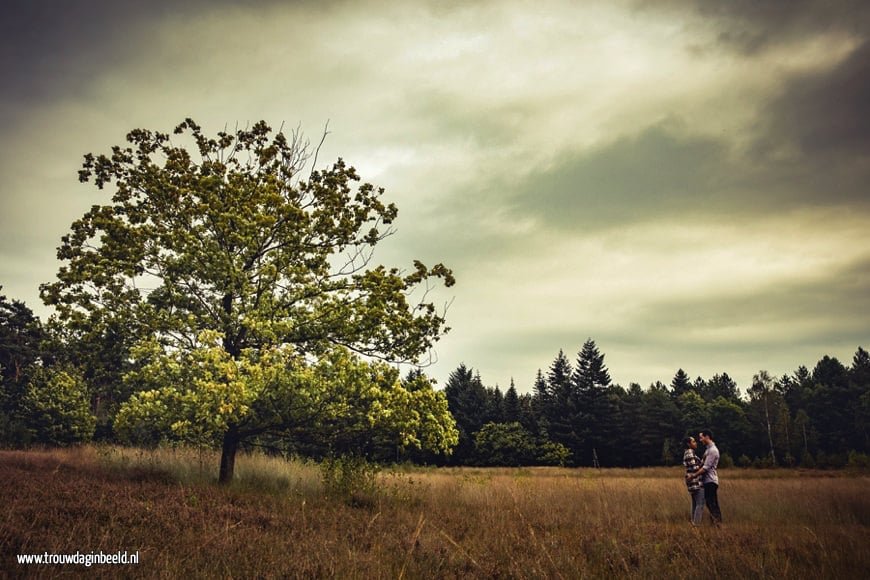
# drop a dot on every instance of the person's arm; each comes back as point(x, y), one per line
point(708, 463)
point(696, 473)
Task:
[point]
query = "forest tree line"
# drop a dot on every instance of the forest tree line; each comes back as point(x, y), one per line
point(575, 415)
point(58, 391)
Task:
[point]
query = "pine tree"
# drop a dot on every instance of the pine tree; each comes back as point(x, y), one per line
point(591, 371)
point(720, 386)
point(680, 384)
point(468, 402)
point(560, 407)
point(511, 404)
point(596, 421)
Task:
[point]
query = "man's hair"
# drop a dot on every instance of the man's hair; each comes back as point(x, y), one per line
point(707, 433)
point(686, 442)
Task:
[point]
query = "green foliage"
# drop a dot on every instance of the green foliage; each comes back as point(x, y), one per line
point(506, 444)
point(681, 384)
point(22, 339)
point(511, 444)
point(550, 453)
point(858, 460)
point(728, 420)
point(694, 411)
point(55, 407)
point(349, 478)
point(238, 243)
point(669, 457)
point(468, 403)
point(195, 396)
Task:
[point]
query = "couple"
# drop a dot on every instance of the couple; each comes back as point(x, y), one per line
point(702, 478)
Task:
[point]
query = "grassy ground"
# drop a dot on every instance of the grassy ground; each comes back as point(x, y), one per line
point(276, 521)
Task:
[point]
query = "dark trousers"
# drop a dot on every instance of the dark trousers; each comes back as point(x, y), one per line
point(712, 500)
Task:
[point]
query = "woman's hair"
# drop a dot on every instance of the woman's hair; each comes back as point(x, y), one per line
point(687, 441)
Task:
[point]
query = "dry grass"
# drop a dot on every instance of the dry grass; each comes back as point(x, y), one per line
point(424, 523)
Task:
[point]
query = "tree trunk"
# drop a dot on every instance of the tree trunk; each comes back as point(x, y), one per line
point(769, 434)
point(228, 455)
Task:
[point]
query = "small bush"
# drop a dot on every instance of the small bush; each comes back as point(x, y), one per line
point(831, 460)
point(56, 407)
point(858, 460)
point(744, 461)
point(350, 478)
point(726, 461)
point(551, 453)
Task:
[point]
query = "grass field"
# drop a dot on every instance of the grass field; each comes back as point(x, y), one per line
point(276, 521)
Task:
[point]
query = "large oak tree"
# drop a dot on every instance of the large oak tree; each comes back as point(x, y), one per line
point(227, 234)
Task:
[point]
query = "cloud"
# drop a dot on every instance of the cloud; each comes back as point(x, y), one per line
point(641, 177)
point(750, 27)
point(825, 114)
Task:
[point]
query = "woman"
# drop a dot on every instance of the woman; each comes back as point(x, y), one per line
point(692, 464)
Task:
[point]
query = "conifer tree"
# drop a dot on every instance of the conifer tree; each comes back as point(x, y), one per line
point(511, 404)
point(597, 421)
point(680, 384)
point(561, 407)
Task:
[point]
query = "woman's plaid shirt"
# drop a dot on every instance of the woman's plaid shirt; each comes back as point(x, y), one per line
point(692, 463)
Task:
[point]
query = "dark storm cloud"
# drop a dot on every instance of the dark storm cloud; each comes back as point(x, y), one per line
point(811, 147)
point(637, 178)
point(48, 47)
point(51, 48)
point(750, 26)
point(826, 114)
point(661, 172)
point(833, 307)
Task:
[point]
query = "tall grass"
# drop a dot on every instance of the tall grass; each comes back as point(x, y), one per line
point(277, 520)
point(255, 470)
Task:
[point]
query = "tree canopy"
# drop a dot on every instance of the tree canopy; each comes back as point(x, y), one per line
point(227, 235)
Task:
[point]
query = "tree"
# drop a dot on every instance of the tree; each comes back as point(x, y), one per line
point(56, 408)
point(560, 408)
point(721, 386)
point(659, 428)
point(694, 412)
point(762, 395)
point(469, 403)
point(21, 337)
point(511, 404)
point(342, 401)
point(859, 372)
point(597, 421)
point(730, 425)
point(859, 379)
point(494, 405)
point(237, 242)
point(833, 407)
point(591, 371)
point(21, 347)
point(505, 444)
point(680, 384)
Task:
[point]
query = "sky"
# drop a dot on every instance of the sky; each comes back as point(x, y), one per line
point(685, 182)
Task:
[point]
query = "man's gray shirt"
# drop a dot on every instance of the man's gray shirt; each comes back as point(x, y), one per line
point(711, 461)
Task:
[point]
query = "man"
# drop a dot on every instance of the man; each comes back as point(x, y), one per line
point(709, 475)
